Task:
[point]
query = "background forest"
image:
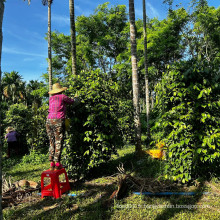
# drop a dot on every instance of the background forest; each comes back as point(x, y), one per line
point(183, 58)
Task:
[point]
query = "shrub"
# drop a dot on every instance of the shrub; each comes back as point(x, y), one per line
point(189, 118)
point(95, 132)
point(30, 124)
point(35, 157)
point(37, 136)
point(19, 116)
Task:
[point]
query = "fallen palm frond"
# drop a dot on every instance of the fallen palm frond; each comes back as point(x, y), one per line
point(127, 181)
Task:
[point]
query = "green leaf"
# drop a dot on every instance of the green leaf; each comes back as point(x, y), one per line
point(181, 169)
point(200, 94)
point(199, 150)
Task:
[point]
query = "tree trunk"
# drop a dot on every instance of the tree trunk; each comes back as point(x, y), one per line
point(146, 70)
point(73, 36)
point(152, 100)
point(2, 6)
point(49, 46)
point(135, 82)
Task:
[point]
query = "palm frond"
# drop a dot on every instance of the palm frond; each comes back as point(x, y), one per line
point(45, 2)
point(5, 92)
point(29, 1)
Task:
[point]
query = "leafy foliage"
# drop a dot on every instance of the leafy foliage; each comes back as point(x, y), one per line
point(35, 157)
point(165, 39)
point(30, 124)
point(188, 106)
point(18, 116)
point(186, 116)
point(96, 130)
point(37, 136)
point(102, 36)
point(13, 87)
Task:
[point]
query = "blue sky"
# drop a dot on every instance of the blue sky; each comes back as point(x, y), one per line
point(24, 29)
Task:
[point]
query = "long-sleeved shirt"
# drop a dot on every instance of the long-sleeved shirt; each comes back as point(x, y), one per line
point(57, 106)
point(11, 136)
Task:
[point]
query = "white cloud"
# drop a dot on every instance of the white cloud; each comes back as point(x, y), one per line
point(150, 11)
point(20, 52)
point(153, 12)
point(138, 13)
point(28, 59)
point(26, 36)
point(56, 19)
point(60, 19)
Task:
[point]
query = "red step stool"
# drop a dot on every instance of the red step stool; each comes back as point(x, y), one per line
point(55, 188)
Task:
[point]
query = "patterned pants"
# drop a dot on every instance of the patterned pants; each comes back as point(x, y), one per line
point(55, 131)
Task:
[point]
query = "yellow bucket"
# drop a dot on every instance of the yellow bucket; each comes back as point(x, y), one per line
point(155, 153)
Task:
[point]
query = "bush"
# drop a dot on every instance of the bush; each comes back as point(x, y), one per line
point(95, 132)
point(37, 135)
point(19, 116)
point(35, 157)
point(189, 118)
point(30, 124)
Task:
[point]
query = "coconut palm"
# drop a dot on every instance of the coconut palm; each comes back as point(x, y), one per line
point(2, 6)
point(135, 81)
point(48, 3)
point(146, 70)
point(73, 36)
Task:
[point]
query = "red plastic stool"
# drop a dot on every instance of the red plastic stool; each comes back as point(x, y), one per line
point(55, 188)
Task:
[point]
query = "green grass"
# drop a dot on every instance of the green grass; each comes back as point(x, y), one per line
point(92, 200)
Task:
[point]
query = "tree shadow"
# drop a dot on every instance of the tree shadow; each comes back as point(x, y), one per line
point(94, 204)
point(66, 207)
point(97, 204)
point(9, 163)
point(143, 166)
point(99, 208)
point(110, 167)
point(146, 167)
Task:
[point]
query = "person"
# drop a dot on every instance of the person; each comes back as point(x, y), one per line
point(55, 124)
point(12, 140)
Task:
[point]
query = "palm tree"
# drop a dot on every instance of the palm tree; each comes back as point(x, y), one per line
point(135, 81)
point(73, 36)
point(170, 3)
point(2, 7)
point(13, 87)
point(146, 70)
point(49, 2)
